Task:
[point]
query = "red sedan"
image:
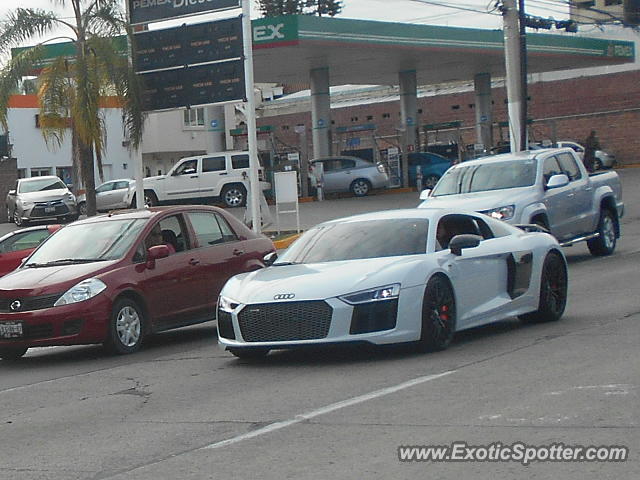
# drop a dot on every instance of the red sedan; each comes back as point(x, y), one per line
point(114, 279)
point(19, 244)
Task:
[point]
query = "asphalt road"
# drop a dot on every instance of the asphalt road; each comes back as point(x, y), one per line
point(184, 409)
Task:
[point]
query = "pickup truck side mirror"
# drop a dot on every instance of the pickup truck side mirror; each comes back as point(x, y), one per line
point(466, 240)
point(557, 181)
point(424, 194)
point(12, 193)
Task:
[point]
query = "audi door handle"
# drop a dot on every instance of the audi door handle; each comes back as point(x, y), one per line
point(194, 261)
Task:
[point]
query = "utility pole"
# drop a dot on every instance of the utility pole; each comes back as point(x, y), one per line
point(513, 77)
point(524, 140)
point(254, 184)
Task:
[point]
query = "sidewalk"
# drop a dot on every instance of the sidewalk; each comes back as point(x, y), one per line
point(313, 213)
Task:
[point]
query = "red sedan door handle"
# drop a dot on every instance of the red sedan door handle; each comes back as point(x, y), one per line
point(193, 261)
point(237, 252)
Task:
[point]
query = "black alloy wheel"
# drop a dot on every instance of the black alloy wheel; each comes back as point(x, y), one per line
point(553, 291)
point(438, 315)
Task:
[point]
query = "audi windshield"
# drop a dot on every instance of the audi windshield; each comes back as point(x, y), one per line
point(359, 240)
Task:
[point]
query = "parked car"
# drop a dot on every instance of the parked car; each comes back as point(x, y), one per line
point(116, 278)
point(41, 198)
point(432, 166)
point(215, 175)
point(110, 195)
point(415, 275)
point(17, 245)
point(602, 159)
point(348, 174)
point(548, 187)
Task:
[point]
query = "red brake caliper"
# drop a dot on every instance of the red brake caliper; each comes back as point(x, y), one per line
point(444, 315)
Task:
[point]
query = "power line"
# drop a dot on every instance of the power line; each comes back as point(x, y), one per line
point(467, 8)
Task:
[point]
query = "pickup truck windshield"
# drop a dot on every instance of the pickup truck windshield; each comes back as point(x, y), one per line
point(359, 240)
point(485, 177)
point(86, 242)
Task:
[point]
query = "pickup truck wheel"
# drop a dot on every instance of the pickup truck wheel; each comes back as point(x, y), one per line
point(553, 291)
point(605, 242)
point(360, 187)
point(234, 196)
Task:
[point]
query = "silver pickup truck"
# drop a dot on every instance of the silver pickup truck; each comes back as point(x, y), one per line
point(549, 188)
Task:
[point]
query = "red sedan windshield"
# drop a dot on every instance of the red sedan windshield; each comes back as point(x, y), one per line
point(82, 242)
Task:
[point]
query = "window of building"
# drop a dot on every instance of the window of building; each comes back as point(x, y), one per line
point(386, 115)
point(40, 171)
point(608, 3)
point(194, 117)
point(285, 127)
point(455, 107)
point(22, 172)
point(354, 119)
point(587, 4)
point(419, 111)
point(369, 118)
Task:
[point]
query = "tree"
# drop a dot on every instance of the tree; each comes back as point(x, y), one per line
point(276, 8)
point(70, 89)
point(325, 7)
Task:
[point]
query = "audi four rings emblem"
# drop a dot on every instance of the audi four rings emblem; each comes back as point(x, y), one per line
point(284, 296)
point(15, 305)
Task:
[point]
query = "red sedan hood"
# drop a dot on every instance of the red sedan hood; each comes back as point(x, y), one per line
point(49, 280)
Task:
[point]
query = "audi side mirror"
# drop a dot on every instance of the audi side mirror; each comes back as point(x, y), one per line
point(270, 258)
point(466, 240)
point(424, 194)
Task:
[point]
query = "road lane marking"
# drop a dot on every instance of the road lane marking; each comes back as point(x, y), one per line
point(324, 410)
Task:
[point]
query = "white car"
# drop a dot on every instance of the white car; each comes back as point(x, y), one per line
point(416, 275)
point(111, 195)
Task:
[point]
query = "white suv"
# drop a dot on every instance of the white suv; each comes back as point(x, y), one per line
point(221, 175)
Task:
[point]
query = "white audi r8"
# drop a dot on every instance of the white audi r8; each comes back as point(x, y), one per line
point(397, 276)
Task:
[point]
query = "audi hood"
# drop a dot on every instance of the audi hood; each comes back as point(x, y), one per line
point(320, 280)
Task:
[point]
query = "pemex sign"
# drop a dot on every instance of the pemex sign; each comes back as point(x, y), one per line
point(145, 11)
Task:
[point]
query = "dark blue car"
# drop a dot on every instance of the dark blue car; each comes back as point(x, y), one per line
point(433, 167)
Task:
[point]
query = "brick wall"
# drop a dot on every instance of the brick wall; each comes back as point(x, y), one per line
point(609, 104)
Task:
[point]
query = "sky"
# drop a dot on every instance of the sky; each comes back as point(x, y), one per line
point(469, 13)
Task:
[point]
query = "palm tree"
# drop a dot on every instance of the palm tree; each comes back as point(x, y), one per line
point(69, 89)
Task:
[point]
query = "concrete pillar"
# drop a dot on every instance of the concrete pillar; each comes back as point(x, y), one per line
point(408, 118)
point(484, 117)
point(320, 112)
point(215, 125)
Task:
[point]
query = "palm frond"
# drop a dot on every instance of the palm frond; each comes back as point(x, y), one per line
point(10, 76)
point(22, 24)
point(55, 94)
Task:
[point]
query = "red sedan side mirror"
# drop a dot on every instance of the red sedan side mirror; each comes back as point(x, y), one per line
point(155, 253)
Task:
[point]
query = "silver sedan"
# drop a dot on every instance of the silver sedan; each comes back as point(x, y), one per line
point(344, 174)
point(40, 198)
point(111, 195)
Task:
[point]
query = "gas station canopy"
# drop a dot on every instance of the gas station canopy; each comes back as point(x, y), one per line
point(371, 52)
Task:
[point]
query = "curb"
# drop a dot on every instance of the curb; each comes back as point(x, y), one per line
point(285, 242)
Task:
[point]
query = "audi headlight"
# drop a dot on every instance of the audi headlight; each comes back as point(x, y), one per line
point(84, 290)
point(502, 213)
point(226, 304)
point(377, 294)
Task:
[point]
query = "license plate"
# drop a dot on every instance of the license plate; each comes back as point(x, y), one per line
point(11, 329)
point(49, 209)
